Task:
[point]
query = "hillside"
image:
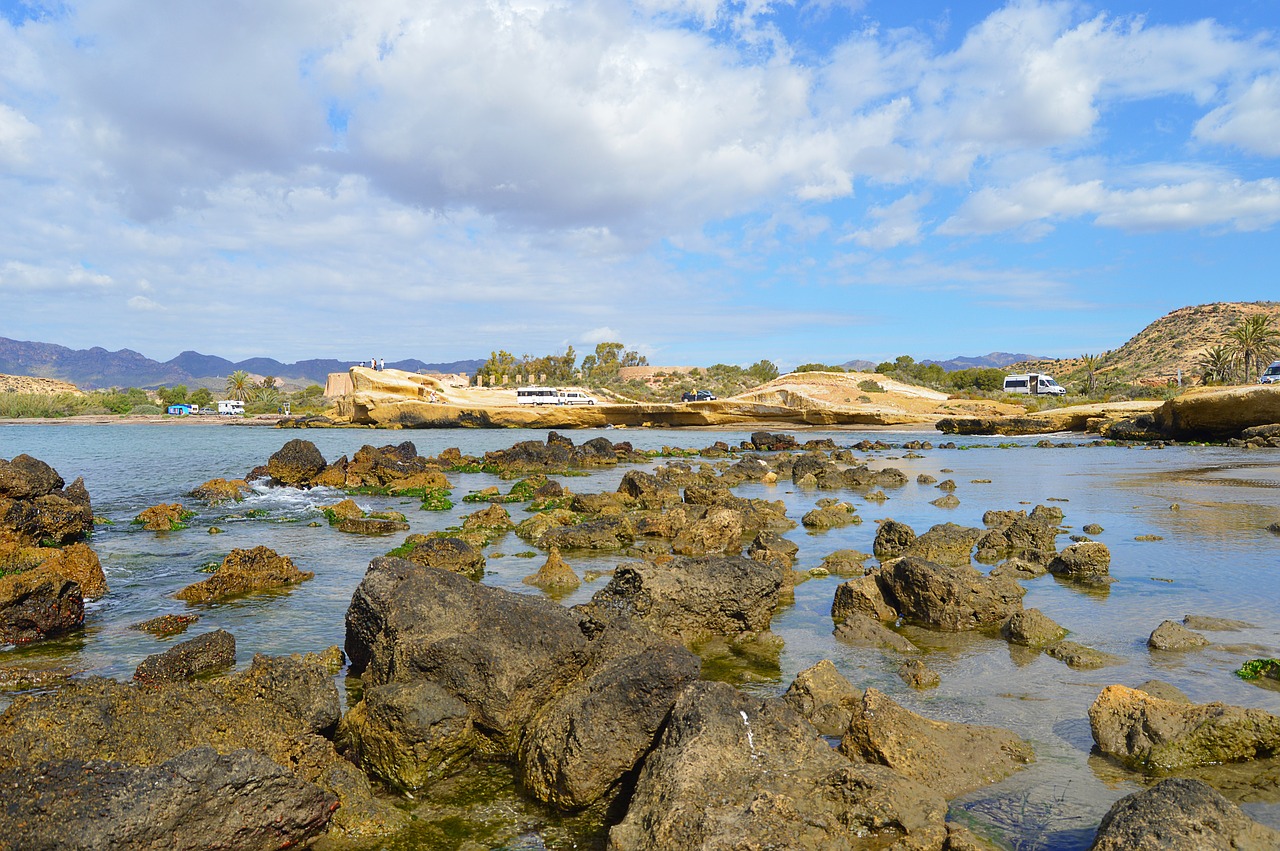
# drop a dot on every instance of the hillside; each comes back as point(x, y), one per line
point(1155, 354)
point(41, 386)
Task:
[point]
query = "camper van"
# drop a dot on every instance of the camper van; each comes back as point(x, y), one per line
point(231, 408)
point(551, 396)
point(1033, 383)
point(1271, 375)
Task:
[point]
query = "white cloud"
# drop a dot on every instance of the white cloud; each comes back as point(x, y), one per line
point(895, 224)
point(144, 304)
point(603, 334)
point(16, 135)
point(17, 277)
point(1051, 196)
point(1250, 121)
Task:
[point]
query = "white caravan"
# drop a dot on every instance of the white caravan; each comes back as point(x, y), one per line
point(551, 396)
point(1033, 383)
point(231, 408)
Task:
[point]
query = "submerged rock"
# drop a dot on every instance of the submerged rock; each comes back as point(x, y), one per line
point(166, 517)
point(1171, 635)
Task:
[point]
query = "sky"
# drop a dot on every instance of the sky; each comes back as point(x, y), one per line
point(703, 181)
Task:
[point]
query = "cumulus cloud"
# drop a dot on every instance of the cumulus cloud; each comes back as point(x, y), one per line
point(144, 304)
point(481, 163)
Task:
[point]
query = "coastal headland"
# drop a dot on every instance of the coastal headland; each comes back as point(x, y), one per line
point(391, 398)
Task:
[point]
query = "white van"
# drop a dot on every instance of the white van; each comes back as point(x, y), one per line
point(1033, 383)
point(231, 408)
point(551, 396)
point(1271, 375)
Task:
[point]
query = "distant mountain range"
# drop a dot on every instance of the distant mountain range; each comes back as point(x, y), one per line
point(998, 360)
point(97, 368)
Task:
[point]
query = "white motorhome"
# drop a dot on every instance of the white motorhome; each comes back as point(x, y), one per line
point(1034, 383)
point(231, 408)
point(1271, 375)
point(551, 396)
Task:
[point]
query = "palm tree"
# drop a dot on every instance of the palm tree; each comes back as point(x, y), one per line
point(1254, 340)
point(239, 386)
point(1217, 364)
point(1090, 364)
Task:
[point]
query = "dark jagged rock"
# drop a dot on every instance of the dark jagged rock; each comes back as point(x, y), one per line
point(209, 652)
point(605, 533)
point(1089, 561)
point(296, 463)
point(948, 597)
point(27, 478)
point(1031, 628)
point(892, 539)
point(945, 543)
point(863, 631)
point(576, 699)
point(772, 548)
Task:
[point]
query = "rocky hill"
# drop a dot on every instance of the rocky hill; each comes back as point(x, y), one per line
point(41, 386)
point(1154, 356)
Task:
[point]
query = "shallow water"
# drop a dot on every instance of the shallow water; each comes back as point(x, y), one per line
point(1209, 506)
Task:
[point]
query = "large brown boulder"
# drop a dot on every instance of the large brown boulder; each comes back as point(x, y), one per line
point(949, 597)
point(1164, 735)
point(892, 539)
point(1032, 538)
point(604, 533)
point(244, 572)
point(27, 478)
point(80, 564)
point(218, 491)
point(862, 595)
point(38, 604)
point(951, 758)
point(296, 463)
point(1086, 561)
point(720, 530)
point(945, 543)
point(1031, 628)
point(824, 697)
point(1180, 815)
point(689, 599)
point(577, 700)
point(732, 771)
point(57, 518)
point(198, 799)
point(1217, 414)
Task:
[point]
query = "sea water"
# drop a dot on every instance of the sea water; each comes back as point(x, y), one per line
point(1203, 512)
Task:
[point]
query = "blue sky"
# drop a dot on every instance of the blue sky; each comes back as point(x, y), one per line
point(816, 180)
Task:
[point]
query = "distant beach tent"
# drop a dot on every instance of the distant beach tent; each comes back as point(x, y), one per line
point(179, 410)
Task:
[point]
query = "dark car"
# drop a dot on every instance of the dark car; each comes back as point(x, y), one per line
point(698, 396)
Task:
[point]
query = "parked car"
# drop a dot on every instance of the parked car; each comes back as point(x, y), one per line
point(698, 396)
point(1271, 375)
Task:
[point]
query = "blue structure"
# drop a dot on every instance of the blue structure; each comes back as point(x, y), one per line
point(179, 411)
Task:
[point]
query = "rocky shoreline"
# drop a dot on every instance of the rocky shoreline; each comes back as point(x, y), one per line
point(601, 709)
